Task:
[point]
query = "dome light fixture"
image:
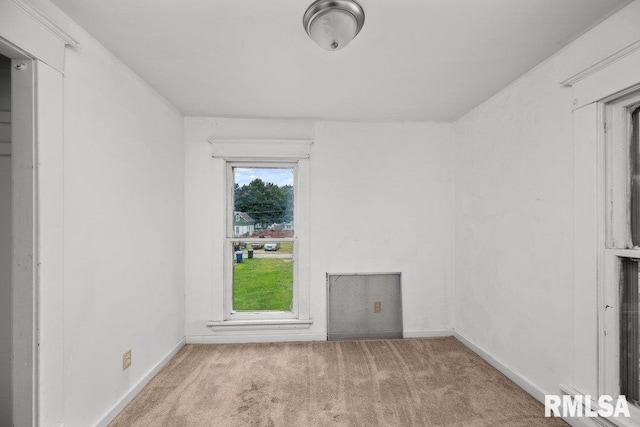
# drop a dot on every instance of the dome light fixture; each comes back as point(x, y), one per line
point(333, 23)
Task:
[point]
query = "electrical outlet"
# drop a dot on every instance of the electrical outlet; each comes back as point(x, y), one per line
point(126, 360)
point(377, 307)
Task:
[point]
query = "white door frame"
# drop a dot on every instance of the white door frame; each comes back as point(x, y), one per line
point(27, 32)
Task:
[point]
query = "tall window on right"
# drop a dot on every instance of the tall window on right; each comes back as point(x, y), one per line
point(621, 295)
point(629, 278)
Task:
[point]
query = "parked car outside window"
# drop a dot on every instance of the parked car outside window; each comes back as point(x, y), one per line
point(272, 246)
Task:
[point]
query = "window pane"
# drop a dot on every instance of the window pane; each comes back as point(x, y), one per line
point(263, 277)
point(629, 331)
point(635, 178)
point(263, 202)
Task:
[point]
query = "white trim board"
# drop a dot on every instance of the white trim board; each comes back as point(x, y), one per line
point(133, 391)
point(612, 78)
point(250, 338)
point(432, 333)
point(284, 337)
point(259, 324)
point(603, 63)
point(46, 22)
point(260, 148)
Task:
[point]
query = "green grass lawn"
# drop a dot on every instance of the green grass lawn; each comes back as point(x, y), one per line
point(263, 284)
point(286, 248)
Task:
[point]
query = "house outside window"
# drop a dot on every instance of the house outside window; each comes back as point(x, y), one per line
point(244, 225)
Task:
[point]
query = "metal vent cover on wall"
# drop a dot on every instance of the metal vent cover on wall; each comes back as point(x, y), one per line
point(364, 306)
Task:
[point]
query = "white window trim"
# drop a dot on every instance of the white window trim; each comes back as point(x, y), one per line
point(595, 266)
point(618, 243)
point(267, 153)
point(230, 314)
point(601, 239)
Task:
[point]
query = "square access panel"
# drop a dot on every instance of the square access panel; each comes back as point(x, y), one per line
point(364, 306)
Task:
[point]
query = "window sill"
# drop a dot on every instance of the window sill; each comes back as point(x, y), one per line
point(221, 325)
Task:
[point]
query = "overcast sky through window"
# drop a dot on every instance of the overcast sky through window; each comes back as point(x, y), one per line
point(275, 176)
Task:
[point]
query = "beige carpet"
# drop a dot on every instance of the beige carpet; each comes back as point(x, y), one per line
point(412, 382)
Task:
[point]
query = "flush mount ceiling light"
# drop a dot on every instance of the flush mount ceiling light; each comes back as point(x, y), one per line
point(333, 23)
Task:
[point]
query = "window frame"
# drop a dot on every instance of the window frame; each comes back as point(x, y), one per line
point(230, 313)
point(258, 151)
point(617, 128)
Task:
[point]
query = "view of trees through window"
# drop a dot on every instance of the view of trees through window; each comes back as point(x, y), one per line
point(266, 200)
point(263, 219)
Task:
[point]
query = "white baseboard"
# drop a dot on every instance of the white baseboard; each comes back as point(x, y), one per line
point(242, 338)
point(246, 338)
point(118, 407)
point(514, 376)
point(433, 333)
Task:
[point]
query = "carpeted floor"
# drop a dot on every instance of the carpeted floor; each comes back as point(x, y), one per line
point(411, 382)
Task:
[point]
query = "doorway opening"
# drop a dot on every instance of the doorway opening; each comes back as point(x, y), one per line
point(5, 243)
point(18, 239)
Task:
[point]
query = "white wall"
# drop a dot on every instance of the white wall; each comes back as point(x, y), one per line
point(5, 247)
point(382, 201)
point(514, 213)
point(368, 181)
point(514, 225)
point(112, 230)
point(123, 201)
point(50, 181)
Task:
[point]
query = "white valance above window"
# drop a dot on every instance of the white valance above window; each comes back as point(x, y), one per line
point(241, 149)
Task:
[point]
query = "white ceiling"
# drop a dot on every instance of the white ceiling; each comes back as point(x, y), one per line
point(413, 60)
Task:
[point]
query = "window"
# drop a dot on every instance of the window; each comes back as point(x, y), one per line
point(621, 335)
point(260, 230)
point(263, 275)
point(634, 157)
point(629, 327)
